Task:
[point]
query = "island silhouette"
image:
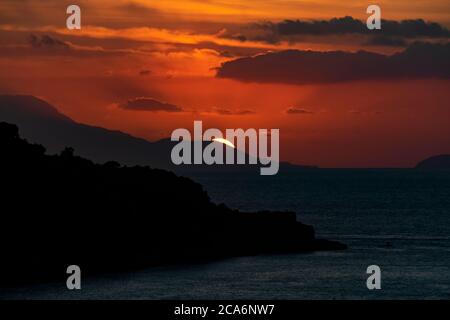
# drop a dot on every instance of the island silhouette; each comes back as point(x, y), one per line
point(435, 163)
point(60, 210)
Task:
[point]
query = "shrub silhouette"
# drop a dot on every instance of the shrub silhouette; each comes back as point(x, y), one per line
point(58, 210)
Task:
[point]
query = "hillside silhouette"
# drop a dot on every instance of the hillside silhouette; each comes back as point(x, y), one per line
point(59, 210)
point(42, 123)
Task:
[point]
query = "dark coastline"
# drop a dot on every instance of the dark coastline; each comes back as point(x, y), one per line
point(63, 210)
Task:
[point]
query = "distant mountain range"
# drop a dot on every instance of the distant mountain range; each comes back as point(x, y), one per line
point(40, 122)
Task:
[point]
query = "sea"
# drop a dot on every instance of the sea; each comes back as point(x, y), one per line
point(396, 219)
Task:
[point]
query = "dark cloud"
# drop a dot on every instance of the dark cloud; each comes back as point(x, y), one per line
point(145, 72)
point(420, 60)
point(297, 30)
point(405, 28)
point(228, 112)
point(238, 37)
point(369, 113)
point(296, 110)
point(46, 45)
point(226, 54)
point(414, 28)
point(149, 104)
point(46, 41)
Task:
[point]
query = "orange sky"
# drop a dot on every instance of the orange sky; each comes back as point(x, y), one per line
point(169, 51)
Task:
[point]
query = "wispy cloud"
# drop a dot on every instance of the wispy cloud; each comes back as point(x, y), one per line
point(46, 41)
point(229, 112)
point(298, 111)
point(149, 104)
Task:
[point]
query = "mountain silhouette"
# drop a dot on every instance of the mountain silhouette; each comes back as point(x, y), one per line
point(436, 162)
point(60, 210)
point(42, 123)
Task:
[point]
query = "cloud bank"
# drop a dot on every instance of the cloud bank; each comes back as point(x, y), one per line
point(296, 30)
point(404, 28)
point(420, 60)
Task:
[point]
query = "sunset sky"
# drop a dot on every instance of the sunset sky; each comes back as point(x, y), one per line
point(149, 67)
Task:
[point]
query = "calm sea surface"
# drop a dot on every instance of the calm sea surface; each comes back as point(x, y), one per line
point(396, 219)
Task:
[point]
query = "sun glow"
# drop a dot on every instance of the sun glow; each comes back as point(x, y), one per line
point(224, 141)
